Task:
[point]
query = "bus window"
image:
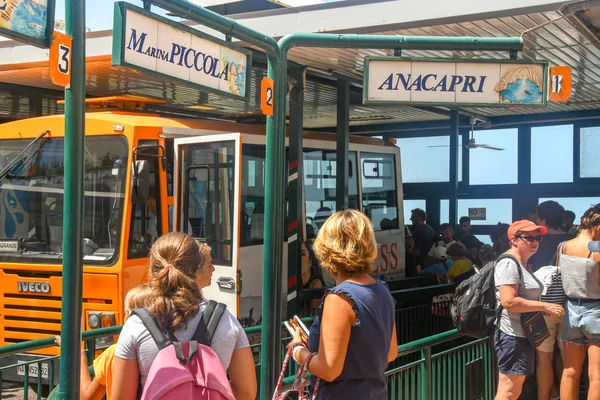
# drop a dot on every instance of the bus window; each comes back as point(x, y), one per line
point(253, 195)
point(32, 197)
point(207, 169)
point(319, 187)
point(379, 197)
point(146, 218)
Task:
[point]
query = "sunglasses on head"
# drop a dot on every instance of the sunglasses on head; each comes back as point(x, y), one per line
point(530, 239)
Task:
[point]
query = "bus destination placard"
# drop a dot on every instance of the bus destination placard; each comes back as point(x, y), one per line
point(10, 245)
point(158, 46)
point(462, 82)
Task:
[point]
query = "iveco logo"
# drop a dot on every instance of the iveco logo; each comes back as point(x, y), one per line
point(34, 287)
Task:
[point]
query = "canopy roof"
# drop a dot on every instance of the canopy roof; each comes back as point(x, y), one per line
point(563, 35)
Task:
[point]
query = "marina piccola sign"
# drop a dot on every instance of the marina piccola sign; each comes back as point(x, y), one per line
point(161, 47)
point(464, 82)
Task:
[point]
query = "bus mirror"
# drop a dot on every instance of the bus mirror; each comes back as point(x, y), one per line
point(140, 181)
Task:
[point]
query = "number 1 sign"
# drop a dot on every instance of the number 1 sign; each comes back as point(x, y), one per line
point(60, 59)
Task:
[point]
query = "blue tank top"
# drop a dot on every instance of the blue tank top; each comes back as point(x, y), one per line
point(367, 358)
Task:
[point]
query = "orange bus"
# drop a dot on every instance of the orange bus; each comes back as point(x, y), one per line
point(142, 171)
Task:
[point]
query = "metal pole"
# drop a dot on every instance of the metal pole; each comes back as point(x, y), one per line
point(296, 218)
point(274, 181)
point(454, 149)
point(270, 356)
point(399, 42)
point(427, 373)
point(342, 144)
point(73, 205)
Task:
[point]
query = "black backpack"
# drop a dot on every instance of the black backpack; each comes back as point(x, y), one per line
point(474, 310)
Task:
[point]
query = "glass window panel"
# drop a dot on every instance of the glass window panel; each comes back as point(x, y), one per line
point(497, 210)
point(484, 239)
point(320, 168)
point(427, 159)
point(590, 153)
point(207, 173)
point(379, 195)
point(32, 198)
point(578, 205)
point(411, 205)
point(492, 167)
point(553, 143)
point(444, 211)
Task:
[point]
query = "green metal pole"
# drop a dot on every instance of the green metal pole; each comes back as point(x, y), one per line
point(455, 148)
point(73, 205)
point(274, 181)
point(399, 42)
point(342, 144)
point(273, 241)
point(295, 184)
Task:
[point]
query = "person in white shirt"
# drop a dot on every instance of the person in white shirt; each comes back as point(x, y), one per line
point(447, 234)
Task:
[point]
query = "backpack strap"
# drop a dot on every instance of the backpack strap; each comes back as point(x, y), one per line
point(514, 259)
point(208, 323)
point(156, 330)
point(179, 351)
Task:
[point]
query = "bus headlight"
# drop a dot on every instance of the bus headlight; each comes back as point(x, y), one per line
point(94, 320)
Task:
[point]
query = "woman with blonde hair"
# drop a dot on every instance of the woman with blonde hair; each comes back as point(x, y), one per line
point(353, 337)
point(579, 262)
point(179, 267)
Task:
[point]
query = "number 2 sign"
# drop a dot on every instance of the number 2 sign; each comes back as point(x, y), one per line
point(266, 104)
point(60, 59)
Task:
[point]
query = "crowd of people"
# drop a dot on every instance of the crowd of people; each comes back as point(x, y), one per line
point(553, 270)
point(427, 250)
point(539, 258)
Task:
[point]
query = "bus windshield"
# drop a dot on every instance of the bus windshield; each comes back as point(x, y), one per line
point(32, 195)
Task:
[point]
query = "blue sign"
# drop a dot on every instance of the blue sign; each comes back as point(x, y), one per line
point(29, 21)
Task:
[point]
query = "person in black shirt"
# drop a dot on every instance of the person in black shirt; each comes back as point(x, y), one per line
point(499, 238)
point(424, 236)
point(468, 239)
point(551, 215)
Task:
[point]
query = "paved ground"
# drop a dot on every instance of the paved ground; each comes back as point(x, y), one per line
point(14, 391)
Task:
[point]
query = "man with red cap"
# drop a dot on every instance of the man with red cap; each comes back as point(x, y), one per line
point(518, 291)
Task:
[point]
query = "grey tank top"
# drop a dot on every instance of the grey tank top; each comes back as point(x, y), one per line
point(580, 276)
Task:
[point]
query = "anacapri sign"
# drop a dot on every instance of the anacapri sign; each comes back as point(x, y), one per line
point(465, 82)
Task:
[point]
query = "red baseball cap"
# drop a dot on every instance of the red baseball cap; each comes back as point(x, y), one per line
point(525, 226)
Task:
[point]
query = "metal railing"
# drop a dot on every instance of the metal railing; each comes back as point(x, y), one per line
point(416, 317)
point(44, 369)
point(444, 365)
point(444, 370)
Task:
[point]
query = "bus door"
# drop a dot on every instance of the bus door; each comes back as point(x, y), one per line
point(207, 206)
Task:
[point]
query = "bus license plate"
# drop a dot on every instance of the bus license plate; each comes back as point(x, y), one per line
point(33, 370)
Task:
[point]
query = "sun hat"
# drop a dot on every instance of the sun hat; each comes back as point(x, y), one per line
point(525, 226)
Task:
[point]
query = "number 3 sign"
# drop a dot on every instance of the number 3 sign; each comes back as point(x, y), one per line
point(60, 59)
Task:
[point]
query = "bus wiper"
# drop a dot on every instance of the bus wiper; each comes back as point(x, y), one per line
point(18, 159)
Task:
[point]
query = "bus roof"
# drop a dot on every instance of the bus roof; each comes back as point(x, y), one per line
point(126, 122)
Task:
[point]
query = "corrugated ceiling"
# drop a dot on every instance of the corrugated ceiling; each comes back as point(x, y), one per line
point(559, 42)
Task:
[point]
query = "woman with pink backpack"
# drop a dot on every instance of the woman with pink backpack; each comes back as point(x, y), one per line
point(176, 326)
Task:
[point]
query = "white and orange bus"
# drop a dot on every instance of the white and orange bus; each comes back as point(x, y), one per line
point(140, 169)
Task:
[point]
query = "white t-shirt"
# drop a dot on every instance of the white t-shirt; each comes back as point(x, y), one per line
point(506, 273)
point(135, 342)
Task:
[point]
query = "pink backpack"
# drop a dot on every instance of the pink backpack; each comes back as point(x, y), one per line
point(186, 370)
